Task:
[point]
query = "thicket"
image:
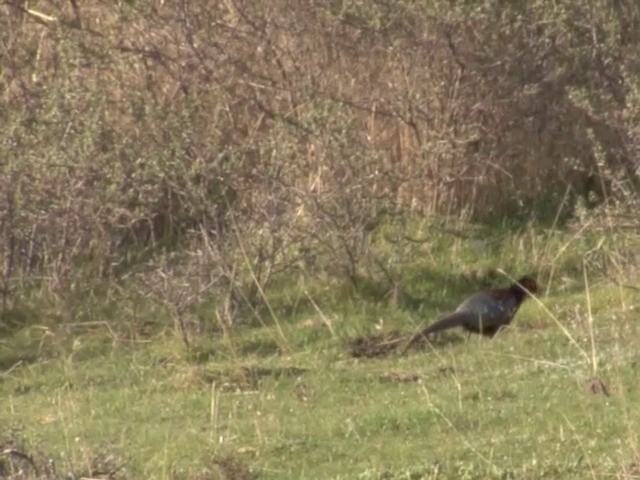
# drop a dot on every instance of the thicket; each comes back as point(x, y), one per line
point(203, 149)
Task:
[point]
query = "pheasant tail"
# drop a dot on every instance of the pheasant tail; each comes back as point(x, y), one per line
point(456, 319)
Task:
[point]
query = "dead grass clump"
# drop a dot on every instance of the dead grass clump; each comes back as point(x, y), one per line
point(19, 461)
point(376, 345)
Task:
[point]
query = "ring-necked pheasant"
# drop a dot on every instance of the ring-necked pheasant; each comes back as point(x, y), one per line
point(483, 312)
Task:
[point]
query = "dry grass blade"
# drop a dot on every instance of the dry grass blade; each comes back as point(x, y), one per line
point(559, 324)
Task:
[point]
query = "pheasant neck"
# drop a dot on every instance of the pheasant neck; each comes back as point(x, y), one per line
point(517, 292)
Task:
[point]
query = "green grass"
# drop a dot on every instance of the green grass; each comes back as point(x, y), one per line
point(511, 407)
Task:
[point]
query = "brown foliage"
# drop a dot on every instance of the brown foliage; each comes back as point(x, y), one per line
point(279, 132)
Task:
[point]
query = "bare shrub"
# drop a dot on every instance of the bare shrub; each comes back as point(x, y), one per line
point(281, 133)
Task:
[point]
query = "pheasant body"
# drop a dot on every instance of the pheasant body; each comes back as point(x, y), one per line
point(484, 312)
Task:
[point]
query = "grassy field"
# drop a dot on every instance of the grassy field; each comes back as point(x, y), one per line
point(101, 399)
point(204, 206)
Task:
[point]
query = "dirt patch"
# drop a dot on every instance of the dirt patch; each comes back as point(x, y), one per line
point(595, 386)
point(231, 468)
point(400, 377)
point(376, 345)
point(15, 462)
point(19, 460)
point(275, 372)
point(630, 471)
